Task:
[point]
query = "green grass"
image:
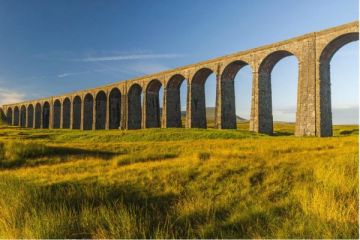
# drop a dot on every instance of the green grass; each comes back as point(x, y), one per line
point(178, 183)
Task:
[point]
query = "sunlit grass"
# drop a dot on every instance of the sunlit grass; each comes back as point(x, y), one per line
point(178, 183)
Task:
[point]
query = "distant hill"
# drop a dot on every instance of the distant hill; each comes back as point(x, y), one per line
point(210, 115)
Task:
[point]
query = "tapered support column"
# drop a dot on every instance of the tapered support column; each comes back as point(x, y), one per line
point(107, 112)
point(225, 117)
point(94, 113)
point(26, 118)
point(306, 101)
point(71, 120)
point(61, 115)
point(188, 106)
point(12, 117)
point(51, 115)
point(82, 114)
point(261, 107)
point(143, 111)
point(124, 110)
point(164, 113)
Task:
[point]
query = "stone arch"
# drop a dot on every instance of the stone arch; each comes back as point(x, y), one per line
point(100, 110)
point(76, 112)
point(173, 103)
point(66, 113)
point(16, 116)
point(88, 111)
point(38, 115)
point(153, 117)
point(22, 116)
point(46, 115)
point(9, 116)
point(325, 82)
point(30, 116)
point(265, 115)
point(134, 107)
point(228, 109)
point(114, 108)
point(198, 104)
point(56, 113)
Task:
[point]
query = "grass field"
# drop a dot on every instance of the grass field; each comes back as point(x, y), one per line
point(178, 183)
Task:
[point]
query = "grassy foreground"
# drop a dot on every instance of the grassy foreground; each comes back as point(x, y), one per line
point(178, 183)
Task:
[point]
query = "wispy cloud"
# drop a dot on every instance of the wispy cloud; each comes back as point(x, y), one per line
point(146, 68)
point(129, 57)
point(10, 96)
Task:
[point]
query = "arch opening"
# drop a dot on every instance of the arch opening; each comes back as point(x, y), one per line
point(325, 89)
point(46, 115)
point(134, 107)
point(265, 107)
point(16, 116)
point(153, 112)
point(175, 101)
point(203, 82)
point(100, 109)
point(30, 116)
point(66, 113)
point(56, 114)
point(77, 112)
point(88, 112)
point(229, 118)
point(9, 116)
point(38, 115)
point(114, 108)
point(23, 116)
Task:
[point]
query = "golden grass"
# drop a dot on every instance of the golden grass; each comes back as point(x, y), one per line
point(177, 183)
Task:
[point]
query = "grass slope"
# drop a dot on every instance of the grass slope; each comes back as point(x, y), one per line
point(178, 183)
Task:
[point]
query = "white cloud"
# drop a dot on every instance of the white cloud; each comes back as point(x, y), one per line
point(129, 57)
point(8, 96)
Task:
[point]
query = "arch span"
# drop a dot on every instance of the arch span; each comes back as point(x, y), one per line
point(134, 107)
point(46, 115)
point(198, 104)
point(173, 103)
point(227, 103)
point(16, 116)
point(23, 116)
point(77, 112)
point(57, 114)
point(88, 112)
point(38, 115)
point(9, 116)
point(66, 113)
point(114, 108)
point(152, 109)
point(326, 55)
point(100, 109)
point(30, 116)
point(265, 116)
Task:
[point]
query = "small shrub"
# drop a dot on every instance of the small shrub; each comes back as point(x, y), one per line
point(203, 156)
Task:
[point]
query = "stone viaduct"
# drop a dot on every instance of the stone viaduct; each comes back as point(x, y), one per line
point(120, 106)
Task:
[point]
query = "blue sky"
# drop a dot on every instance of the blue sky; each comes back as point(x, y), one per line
point(53, 47)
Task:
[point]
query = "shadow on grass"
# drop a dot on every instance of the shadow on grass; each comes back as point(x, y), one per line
point(282, 133)
point(349, 132)
point(51, 155)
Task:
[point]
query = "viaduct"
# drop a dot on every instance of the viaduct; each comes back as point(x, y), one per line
point(120, 106)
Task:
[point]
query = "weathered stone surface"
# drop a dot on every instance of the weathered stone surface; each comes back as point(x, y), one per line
point(135, 104)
